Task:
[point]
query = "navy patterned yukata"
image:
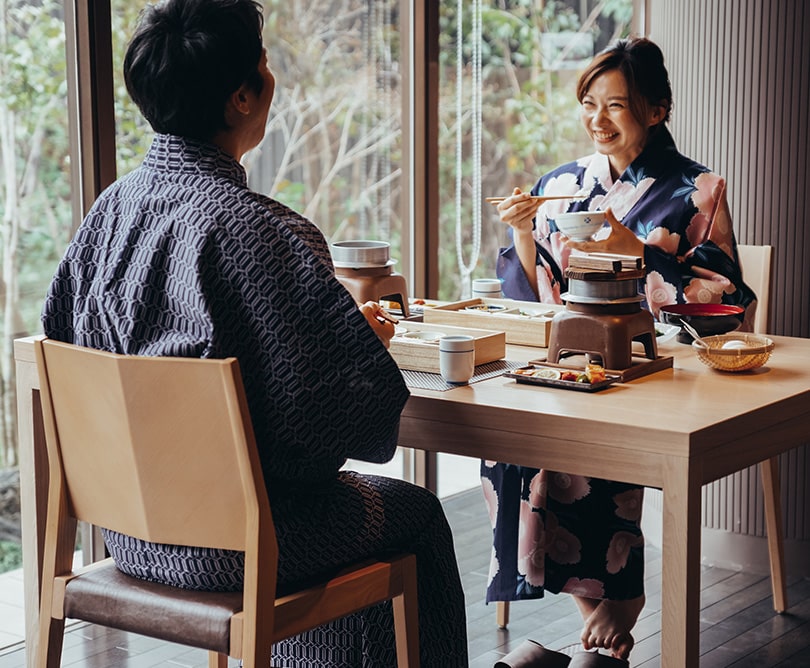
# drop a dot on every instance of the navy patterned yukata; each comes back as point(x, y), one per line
point(565, 533)
point(180, 258)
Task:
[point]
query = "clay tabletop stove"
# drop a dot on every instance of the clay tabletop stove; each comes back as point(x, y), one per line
point(603, 314)
point(366, 271)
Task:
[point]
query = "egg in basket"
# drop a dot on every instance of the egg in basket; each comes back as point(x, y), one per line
point(734, 352)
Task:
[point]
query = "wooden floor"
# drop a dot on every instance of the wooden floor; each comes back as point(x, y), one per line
point(738, 625)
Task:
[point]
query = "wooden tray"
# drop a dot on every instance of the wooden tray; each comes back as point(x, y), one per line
point(418, 355)
point(510, 318)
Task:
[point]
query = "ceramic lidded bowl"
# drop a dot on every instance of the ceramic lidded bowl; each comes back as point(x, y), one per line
point(362, 253)
point(580, 225)
point(707, 319)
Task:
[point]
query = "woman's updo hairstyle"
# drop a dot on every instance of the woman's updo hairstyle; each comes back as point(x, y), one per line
point(642, 64)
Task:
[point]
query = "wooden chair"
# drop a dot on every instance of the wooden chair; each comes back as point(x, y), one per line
point(163, 449)
point(756, 265)
point(755, 262)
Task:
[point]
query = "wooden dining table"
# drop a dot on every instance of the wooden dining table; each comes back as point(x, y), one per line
point(675, 429)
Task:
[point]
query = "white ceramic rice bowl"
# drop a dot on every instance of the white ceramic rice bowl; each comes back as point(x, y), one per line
point(580, 225)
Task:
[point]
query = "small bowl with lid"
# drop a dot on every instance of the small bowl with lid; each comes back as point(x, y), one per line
point(361, 254)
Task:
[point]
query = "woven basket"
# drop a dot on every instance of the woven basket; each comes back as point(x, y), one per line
point(756, 352)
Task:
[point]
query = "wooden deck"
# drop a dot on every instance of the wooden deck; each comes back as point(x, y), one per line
point(738, 625)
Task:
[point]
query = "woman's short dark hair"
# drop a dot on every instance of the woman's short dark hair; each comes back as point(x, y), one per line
point(642, 64)
point(187, 57)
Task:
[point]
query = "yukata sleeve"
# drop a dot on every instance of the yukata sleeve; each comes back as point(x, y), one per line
point(709, 270)
point(550, 255)
point(321, 387)
point(515, 283)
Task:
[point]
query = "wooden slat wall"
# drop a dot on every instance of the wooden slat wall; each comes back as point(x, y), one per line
point(740, 74)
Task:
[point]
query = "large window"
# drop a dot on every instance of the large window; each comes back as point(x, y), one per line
point(339, 147)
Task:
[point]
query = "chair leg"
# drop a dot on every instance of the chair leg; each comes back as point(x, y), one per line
point(217, 660)
point(502, 614)
point(49, 646)
point(769, 470)
point(406, 617)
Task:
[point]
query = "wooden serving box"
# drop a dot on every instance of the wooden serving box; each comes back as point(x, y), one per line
point(418, 355)
point(524, 323)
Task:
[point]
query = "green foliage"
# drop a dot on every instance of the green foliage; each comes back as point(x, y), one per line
point(10, 556)
point(132, 132)
point(32, 65)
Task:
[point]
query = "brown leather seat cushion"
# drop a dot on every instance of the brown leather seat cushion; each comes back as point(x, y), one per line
point(109, 597)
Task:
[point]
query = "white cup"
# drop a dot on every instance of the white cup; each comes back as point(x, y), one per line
point(457, 358)
point(487, 288)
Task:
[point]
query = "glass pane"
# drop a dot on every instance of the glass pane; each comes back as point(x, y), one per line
point(333, 142)
point(35, 210)
point(133, 134)
point(332, 149)
point(508, 112)
point(333, 145)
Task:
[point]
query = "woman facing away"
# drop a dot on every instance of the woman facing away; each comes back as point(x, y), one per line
point(565, 533)
point(181, 258)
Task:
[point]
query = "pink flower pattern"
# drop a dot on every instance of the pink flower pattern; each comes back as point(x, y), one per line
point(562, 546)
point(567, 488)
point(531, 547)
point(491, 499)
point(628, 504)
point(587, 588)
point(658, 292)
point(619, 550)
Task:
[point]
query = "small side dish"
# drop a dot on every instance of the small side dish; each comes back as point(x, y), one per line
point(664, 332)
point(424, 336)
point(486, 308)
point(590, 379)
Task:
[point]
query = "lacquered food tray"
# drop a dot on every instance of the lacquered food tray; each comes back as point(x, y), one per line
point(524, 323)
point(523, 375)
point(415, 346)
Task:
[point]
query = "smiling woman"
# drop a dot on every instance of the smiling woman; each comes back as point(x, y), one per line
point(672, 212)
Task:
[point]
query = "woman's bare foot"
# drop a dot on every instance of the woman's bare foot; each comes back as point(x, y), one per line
point(609, 625)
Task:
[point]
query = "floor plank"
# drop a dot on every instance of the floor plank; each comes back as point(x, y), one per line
point(738, 625)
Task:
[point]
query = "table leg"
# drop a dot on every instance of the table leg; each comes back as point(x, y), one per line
point(680, 601)
point(769, 470)
point(425, 465)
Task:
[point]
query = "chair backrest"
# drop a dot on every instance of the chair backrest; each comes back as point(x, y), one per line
point(162, 449)
point(756, 267)
point(153, 447)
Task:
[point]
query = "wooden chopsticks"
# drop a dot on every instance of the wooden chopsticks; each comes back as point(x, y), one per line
point(536, 198)
point(384, 317)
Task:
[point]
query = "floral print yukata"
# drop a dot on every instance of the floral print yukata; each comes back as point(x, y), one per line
point(181, 258)
point(566, 533)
